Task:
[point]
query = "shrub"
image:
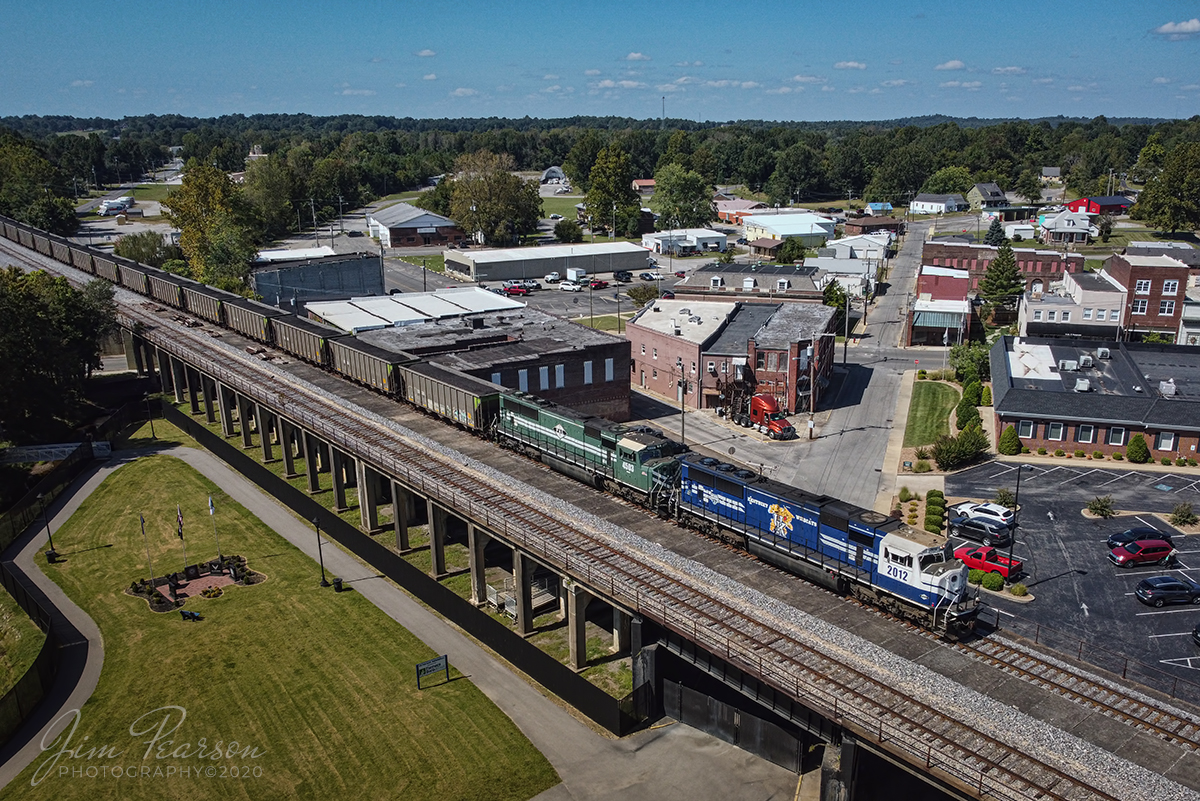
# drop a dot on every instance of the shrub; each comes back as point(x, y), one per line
point(922, 466)
point(935, 503)
point(1098, 454)
point(568, 231)
point(1079, 454)
point(932, 527)
point(1184, 515)
point(1010, 443)
point(934, 516)
point(985, 397)
point(953, 452)
point(972, 393)
point(966, 415)
point(1191, 462)
point(911, 520)
point(1041, 451)
point(935, 493)
point(1117, 456)
point(1004, 497)
point(975, 576)
point(993, 582)
point(922, 453)
point(1181, 462)
point(905, 495)
point(1019, 590)
point(921, 375)
point(1102, 506)
point(1025, 449)
point(1138, 452)
point(1166, 460)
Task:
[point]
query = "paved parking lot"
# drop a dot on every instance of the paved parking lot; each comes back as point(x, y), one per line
point(1077, 589)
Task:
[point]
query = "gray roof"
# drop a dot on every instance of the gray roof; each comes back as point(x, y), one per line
point(747, 321)
point(1051, 172)
point(499, 330)
point(794, 322)
point(1176, 250)
point(404, 215)
point(1125, 389)
point(924, 197)
point(990, 191)
point(1093, 282)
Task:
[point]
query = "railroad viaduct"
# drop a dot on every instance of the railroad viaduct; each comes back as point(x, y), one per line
point(787, 670)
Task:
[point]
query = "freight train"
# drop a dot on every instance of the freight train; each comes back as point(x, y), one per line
point(853, 551)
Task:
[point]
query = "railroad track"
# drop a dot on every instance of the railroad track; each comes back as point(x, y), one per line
point(821, 675)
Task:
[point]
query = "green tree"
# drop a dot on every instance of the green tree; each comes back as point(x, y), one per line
point(568, 231)
point(489, 199)
point(1137, 452)
point(147, 247)
point(683, 197)
point(582, 158)
point(1171, 200)
point(438, 200)
point(53, 214)
point(972, 392)
point(1010, 443)
point(1105, 227)
point(611, 188)
point(268, 190)
point(1029, 187)
point(213, 232)
point(1151, 159)
point(834, 295)
point(970, 361)
point(965, 415)
point(642, 294)
point(791, 251)
point(949, 181)
point(1002, 284)
point(995, 234)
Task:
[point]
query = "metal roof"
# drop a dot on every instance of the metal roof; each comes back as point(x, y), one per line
point(346, 316)
point(388, 309)
point(747, 320)
point(473, 299)
point(481, 257)
point(794, 322)
point(404, 215)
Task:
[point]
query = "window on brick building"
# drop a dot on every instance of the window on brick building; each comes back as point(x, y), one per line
point(1116, 436)
point(1025, 429)
point(1164, 441)
point(1139, 307)
point(1054, 431)
point(587, 371)
point(1170, 287)
point(760, 360)
point(1166, 308)
point(608, 369)
point(560, 376)
point(1085, 433)
point(523, 380)
point(544, 377)
point(1142, 287)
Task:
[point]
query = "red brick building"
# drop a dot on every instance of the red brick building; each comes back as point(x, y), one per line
point(941, 312)
point(1111, 204)
point(1039, 267)
point(1154, 292)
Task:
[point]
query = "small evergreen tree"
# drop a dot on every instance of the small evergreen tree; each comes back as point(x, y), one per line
point(1010, 443)
point(995, 234)
point(973, 392)
point(985, 397)
point(966, 415)
point(1137, 452)
point(568, 231)
point(1002, 284)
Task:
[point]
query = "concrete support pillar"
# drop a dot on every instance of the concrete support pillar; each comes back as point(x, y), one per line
point(324, 460)
point(210, 390)
point(310, 462)
point(243, 411)
point(226, 400)
point(178, 381)
point(165, 379)
point(339, 479)
point(577, 603)
point(193, 388)
point(368, 497)
point(402, 515)
point(477, 541)
point(437, 538)
point(287, 438)
point(620, 620)
point(131, 359)
point(839, 769)
point(263, 420)
point(147, 351)
point(522, 585)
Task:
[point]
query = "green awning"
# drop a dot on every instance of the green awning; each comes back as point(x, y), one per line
point(930, 319)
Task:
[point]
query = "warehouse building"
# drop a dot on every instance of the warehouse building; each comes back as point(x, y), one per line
point(405, 225)
point(291, 278)
point(534, 263)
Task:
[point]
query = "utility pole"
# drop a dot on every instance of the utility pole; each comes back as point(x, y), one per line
point(341, 223)
point(846, 340)
point(812, 387)
point(313, 208)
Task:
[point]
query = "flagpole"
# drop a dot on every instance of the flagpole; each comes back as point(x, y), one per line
point(179, 516)
point(147, 541)
point(212, 512)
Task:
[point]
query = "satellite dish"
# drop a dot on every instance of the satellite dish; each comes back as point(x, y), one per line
point(731, 450)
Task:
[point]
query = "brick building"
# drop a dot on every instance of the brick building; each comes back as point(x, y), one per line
point(1154, 291)
point(667, 339)
point(1039, 267)
point(404, 225)
point(941, 313)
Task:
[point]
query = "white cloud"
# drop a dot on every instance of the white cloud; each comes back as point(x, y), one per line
point(808, 79)
point(1008, 71)
point(401, 86)
point(953, 64)
point(1043, 80)
point(611, 84)
point(361, 92)
point(81, 83)
point(430, 77)
point(750, 84)
point(783, 90)
point(462, 91)
point(900, 82)
point(849, 65)
point(855, 90)
point(426, 53)
point(669, 87)
point(591, 72)
point(1162, 80)
point(828, 88)
point(972, 85)
point(1076, 88)
point(1191, 87)
point(549, 77)
point(686, 79)
point(1174, 31)
point(637, 57)
point(689, 64)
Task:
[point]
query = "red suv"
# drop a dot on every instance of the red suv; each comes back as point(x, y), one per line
point(1142, 552)
point(515, 290)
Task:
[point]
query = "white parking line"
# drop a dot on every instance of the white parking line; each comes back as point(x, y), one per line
point(1145, 522)
point(1192, 486)
point(1081, 475)
point(1192, 662)
point(1051, 470)
point(1118, 478)
point(1184, 608)
point(1176, 634)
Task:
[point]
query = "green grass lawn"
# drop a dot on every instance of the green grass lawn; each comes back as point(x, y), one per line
point(929, 412)
point(604, 322)
point(320, 684)
point(20, 642)
point(435, 262)
point(157, 192)
point(561, 204)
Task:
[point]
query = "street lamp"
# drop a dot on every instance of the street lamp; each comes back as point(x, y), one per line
point(1012, 538)
point(150, 417)
point(424, 275)
point(51, 555)
point(617, 298)
point(320, 554)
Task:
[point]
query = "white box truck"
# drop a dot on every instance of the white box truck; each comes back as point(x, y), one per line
point(576, 275)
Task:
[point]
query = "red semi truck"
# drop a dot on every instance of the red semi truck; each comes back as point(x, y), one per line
point(765, 415)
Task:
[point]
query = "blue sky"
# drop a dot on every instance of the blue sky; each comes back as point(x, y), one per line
point(763, 60)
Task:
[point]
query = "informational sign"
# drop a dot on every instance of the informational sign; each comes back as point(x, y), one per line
point(812, 424)
point(439, 664)
point(426, 230)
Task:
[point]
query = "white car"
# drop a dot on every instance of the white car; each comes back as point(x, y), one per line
point(570, 286)
point(988, 511)
point(552, 278)
point(656, 276)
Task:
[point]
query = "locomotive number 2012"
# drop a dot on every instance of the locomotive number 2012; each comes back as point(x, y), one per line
point(897, 573)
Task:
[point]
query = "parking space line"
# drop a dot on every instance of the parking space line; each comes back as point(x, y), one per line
point(1192, 486)
point(1118, 478)
point(1051, 470)
point(1177, 634)
point(1184, 608)
point(1144, 522)
point(1192, 662)
point(1081, 475)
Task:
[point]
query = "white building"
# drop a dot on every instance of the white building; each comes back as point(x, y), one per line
point(811, 229)
point(685, 240)
point(1068, 226)
point(938, 204)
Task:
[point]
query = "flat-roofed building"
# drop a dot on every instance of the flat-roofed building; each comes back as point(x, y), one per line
point(685, 241)
point(533, 264)
point(811, 229)
point(291, 278)
point(1082, 305)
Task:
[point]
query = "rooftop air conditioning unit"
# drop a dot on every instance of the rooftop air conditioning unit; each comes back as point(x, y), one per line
point(1083, 385)
point(1103, 353)
point(1167, 388)
point(1067, 365)
point(1085, 361)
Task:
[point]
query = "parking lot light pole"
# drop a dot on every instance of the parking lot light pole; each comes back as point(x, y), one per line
point(1012, 535)
point(51, 554)
point(320, 553)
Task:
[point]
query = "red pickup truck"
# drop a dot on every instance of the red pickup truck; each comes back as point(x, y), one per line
point(989, 560)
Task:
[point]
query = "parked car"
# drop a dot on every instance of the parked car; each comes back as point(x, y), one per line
point(680, 274)
point(646, 277)
point(570, 286)
point(989, 560)
point(1142, 552)
point(1138, 533)
point(991, 511)
point(596, 283)
point(563, 190)
point(667, 295)
point(741, 240)
point(515, 290)
point(1196, 634)
point(624, 276)
point(552, 278)
point(529, 284)
point(982, 530)
point(556, 216)
point(1159, 590)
